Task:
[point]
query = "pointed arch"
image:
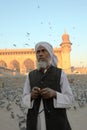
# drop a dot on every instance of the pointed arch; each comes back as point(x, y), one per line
point(14, 65)
point(3, 64)
point(29, 65)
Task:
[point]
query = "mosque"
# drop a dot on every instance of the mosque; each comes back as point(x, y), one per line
point(24, 60)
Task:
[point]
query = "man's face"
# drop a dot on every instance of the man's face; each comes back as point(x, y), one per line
point(42, 54)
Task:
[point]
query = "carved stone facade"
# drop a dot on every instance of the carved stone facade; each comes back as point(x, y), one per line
point(24, 60)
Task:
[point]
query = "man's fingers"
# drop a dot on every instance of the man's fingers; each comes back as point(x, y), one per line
point(35, 92)
point(36, 89)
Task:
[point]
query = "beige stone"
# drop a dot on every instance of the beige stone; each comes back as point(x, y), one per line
point(24, 60)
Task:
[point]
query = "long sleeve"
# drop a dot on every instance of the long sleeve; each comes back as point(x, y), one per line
point(26, 94)
point(27, 102)
point(64, 99)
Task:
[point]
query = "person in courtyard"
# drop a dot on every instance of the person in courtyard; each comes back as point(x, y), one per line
point(47, 93)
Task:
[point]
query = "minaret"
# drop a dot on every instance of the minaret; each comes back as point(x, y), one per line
point(65, 53)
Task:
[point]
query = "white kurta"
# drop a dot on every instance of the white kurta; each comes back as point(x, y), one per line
point(63, 100)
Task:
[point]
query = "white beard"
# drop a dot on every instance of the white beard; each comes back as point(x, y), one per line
point(43, 64)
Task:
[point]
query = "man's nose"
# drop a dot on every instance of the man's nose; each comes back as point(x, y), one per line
point(41, 53)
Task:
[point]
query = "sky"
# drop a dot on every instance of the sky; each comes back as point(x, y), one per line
point(23, 23)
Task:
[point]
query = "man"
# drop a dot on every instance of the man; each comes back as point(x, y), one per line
point(47, 93)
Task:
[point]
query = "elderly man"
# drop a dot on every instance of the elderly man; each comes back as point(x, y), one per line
point(47, 93)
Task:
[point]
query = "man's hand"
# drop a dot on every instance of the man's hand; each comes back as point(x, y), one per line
point(47, 93)
point(35, 92)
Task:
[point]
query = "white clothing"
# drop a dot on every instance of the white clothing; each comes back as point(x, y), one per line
point(63, 100)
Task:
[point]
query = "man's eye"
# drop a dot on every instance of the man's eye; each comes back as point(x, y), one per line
point(38, 51)
point(43, 50)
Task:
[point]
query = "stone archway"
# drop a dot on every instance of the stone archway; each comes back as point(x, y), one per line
point(14, 65)
point(3, 64)
point(29, 65)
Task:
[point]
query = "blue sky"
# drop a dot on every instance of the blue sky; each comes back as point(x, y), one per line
point(26, 22)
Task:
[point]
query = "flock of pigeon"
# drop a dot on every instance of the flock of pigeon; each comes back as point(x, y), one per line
point(11, 98)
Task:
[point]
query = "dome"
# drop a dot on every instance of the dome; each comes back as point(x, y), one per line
point(65, 37)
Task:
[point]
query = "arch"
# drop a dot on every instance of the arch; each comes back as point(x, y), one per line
point(29, 65)
point(3, 64)
point(14, 65)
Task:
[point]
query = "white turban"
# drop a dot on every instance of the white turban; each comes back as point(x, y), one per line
point(49, 48)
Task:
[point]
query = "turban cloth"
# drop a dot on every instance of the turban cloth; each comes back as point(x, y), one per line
point(49, 48)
